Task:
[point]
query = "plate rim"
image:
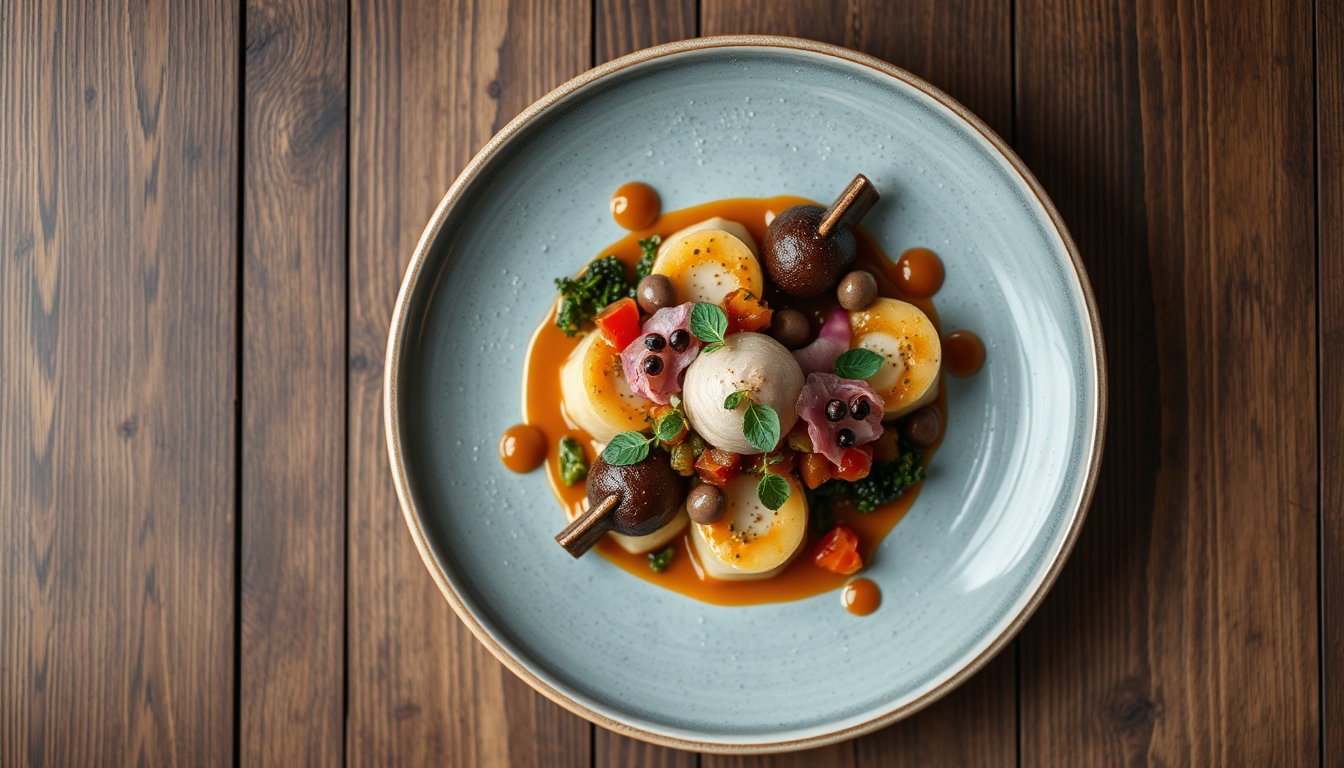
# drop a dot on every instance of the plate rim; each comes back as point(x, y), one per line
point(395, 349)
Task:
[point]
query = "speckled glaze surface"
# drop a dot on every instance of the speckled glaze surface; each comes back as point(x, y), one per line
point(747, 117)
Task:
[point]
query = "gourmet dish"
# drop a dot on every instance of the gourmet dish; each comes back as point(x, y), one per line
point(738, 401)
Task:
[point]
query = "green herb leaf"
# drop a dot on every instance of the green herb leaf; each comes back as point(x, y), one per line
point(658, 561)
point(626, 448)
point(644, 267)
point(735, 400)
point(760, 425)
point(669, 425)
point(709, 324)
point(573, 464)
point(858, 364)
point(715, 347)
point(773, 491)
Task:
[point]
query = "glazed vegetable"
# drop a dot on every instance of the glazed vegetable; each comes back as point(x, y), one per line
point(884, 482)
point(602, 283)
point(573, 465)
point(620, 322)
point(745, 312)
point(838, 551)
point(658, 561)
point(718, 467)
point(645, 264)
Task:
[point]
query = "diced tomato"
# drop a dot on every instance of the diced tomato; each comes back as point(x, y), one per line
point(855, 463)
point(815, 469)
point(885, 447)
point(782, 462)
point(620, 322)
point(838, 551)
point(745, 312)
point(718, 467)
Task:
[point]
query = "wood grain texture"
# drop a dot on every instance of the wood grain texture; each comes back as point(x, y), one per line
point(835, 756)
point(430, 83)
point(1330, 229)
point(977, 724)
point(118, 258)
point(291, 659)
point(1177, 142)
point(625, 26)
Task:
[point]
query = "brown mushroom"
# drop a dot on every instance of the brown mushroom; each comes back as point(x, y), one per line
point(808, 249)
point(634, 500)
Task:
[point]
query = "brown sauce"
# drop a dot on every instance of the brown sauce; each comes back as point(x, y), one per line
point(861, 597)
point(963, 353)
point(522, 448)
point(542, 408)
point(635, 205)
point(919, 272)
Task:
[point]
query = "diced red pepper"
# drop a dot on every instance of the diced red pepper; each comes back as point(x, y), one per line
point(815, 469)
point(838, 551)
point(855, 463)
point(718, 467)
point(745, 312)
point(620, 322)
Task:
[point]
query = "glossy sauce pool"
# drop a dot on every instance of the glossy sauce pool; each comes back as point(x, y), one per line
point(542, 409)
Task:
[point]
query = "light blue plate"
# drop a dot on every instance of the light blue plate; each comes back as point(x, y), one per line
point(747, 117)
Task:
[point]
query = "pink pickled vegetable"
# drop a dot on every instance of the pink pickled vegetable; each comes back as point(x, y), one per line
point(825, 432)
point(831, 343)
point(656, 362)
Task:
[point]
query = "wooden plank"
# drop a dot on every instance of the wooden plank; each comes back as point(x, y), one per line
point(430, 83)
point(1330, 229)
point(291, 659)
point(975, 725)
point(1178, 146)
point(625, 26)
point(118, 308)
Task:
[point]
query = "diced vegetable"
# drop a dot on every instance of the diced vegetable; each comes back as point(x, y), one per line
point(718, 467)
point(781, 462)
point(573, 464)
point(620, 322)
point(838, 551)
point(815, 469)
point(697, 444)
point(745, 312)
point(658, 561)
point(797, 438)
point(855, 463)
point(645, 264)
point(602, 283)
point(683, 459)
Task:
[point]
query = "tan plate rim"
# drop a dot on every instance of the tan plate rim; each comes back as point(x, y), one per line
point(394, 350)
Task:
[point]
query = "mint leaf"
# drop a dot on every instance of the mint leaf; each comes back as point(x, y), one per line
point(858, 364)
point(625, 449)
point(709, 324)
point(760, 425)
point(669, 425)
point(773, 491)
point(735, 400)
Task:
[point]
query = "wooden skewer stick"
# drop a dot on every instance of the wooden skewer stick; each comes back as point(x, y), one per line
point(851, 206)
point(580, 535)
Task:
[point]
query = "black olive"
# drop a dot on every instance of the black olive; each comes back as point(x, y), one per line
point(860, 408)
point(836, 410)
point(655, 342)
point(653, 365)
point(679, 340)
point(845, 438)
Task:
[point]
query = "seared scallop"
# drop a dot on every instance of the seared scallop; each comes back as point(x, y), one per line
point(751, 541)
point(708, 264)
point(595, 394)
point(911, 350)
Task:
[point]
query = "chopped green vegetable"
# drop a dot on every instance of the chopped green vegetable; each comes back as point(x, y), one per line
point(602, 283)
point(658, 561)
point(683, 459)
point(573, 464)
point(885, 481)
point(626, 448)
point(858, 364)
point(697, 443)
point(644, 267)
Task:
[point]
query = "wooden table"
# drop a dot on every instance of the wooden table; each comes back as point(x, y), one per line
point(204, 215)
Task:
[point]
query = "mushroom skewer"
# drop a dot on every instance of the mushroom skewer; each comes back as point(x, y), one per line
point(634, 500)
point(807, 249)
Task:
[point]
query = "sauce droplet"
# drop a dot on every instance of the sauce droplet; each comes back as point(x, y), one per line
point(963, 353)
point(919, 272)
point(635, 205)
point(861, 597)
point(522, 448)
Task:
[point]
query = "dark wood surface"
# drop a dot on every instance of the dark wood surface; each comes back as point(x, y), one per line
point(205, 211)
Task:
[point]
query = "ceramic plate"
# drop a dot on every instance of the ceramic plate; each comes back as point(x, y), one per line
point(747, 117)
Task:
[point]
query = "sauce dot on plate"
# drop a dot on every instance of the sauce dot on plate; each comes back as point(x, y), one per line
point(522, 448)
point(861, 597)
point(919, 272)
point(963, 353)
point(635, 205)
